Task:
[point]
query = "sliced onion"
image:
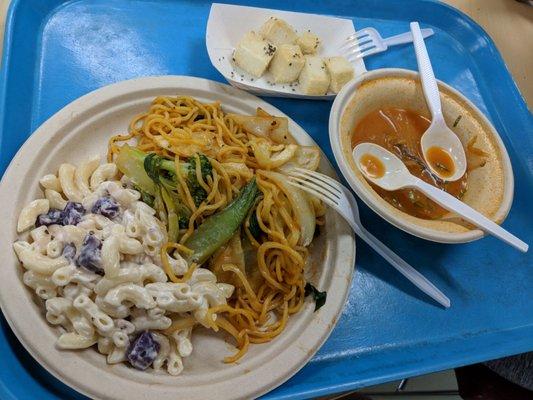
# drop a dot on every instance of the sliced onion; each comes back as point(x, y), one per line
point(304, 209)
point(278, 159)
point(274, 128)
point(266, 158)
point(307, 157)
point(237, 168)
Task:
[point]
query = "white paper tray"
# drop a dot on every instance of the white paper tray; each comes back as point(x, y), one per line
point(228, 23)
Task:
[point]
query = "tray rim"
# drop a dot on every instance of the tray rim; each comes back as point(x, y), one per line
point(518, 106)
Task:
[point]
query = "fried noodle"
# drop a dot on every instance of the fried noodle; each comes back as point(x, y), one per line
point(180, 127)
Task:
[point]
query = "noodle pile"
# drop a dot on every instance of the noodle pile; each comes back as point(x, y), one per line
point(271, 286)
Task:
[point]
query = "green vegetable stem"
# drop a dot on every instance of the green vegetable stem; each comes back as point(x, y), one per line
point(217, 229)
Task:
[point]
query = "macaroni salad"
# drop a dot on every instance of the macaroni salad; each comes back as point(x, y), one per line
point(92, 252)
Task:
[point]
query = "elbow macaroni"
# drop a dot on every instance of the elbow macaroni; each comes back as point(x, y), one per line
point(29, 214)
point(128, 292)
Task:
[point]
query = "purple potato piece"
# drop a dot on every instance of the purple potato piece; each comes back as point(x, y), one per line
point(90, 255)
point(143, 351)
point(69, 251)
point(72, 213)
point(52, 217)
point(106, 206)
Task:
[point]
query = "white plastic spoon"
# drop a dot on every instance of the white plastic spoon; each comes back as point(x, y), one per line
point(392, 174)
point(438, 135)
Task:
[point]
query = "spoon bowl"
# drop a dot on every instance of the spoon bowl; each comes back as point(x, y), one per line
point(440, 136)
point(395, 175)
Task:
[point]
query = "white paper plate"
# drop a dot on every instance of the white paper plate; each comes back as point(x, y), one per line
point(227, 24)
point(82, 129)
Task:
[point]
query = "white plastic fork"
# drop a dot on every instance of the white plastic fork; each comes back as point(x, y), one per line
point(343, 201)
point(368, 41)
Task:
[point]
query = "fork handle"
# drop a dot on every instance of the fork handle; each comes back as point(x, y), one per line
point(406, 37)
point(415, 277)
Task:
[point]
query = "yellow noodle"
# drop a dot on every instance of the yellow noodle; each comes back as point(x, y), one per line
point(254, 302)
point(179, 323)
point(168, 268)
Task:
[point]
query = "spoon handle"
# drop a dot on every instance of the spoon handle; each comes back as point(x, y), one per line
point(468, 213)
point(427, 77)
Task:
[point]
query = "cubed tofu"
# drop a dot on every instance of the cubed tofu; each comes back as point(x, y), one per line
point(340, 72)
point(278, 32)
point(287, 63)
point(308, 42)
point(253, 54)
point(314, 78)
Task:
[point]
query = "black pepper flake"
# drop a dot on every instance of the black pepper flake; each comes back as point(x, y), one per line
point(233, 59)
point(290, 64)
point(294, 90)
point(309, 30)
point(269, 50)
point(252, 79)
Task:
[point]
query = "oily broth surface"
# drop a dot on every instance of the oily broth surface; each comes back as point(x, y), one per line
point(399, 131)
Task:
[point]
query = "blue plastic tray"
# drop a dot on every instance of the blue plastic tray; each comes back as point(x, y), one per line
point(57, 51)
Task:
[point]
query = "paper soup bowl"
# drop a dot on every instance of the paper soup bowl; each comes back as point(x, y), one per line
point(490, 188)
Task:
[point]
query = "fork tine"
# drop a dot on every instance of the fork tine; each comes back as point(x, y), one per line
point(314, 193)
point(337, 186)
point(332, 191)
point(358, 35)
point(356, 44)
point(313, 185)
point(354, 39)
point(360, 43)
point(353, 57)
point(360, 49)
